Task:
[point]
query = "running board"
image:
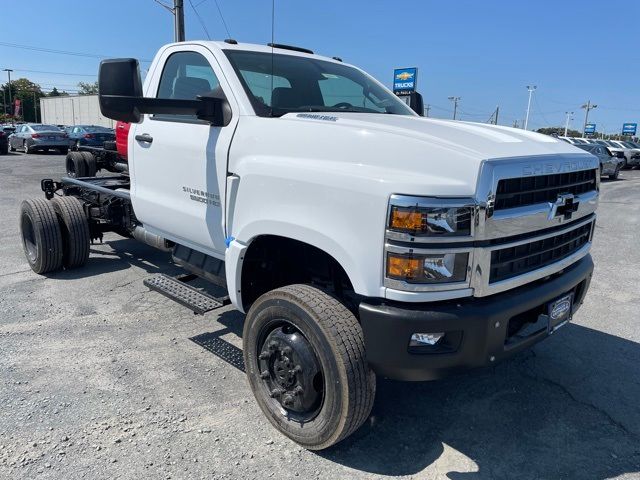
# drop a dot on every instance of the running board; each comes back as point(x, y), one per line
point(178, 291)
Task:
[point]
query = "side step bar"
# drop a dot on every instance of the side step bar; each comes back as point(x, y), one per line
point(177, 290)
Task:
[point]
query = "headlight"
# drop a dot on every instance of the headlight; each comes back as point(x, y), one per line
point(430, 221)
point(428, 268)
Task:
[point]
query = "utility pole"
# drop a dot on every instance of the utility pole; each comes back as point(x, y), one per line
point(566, 122)
point(178, 18)
point(455, 101)
point(531, 89)
point(426, 110)
point(587, 106)
point(35, 109)
point(8, 70)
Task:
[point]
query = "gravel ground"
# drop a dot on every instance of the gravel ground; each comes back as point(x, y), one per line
point(101, 378)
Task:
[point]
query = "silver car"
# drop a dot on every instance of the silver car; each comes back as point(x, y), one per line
point(632, 152)
point(610, 162)
point(31, 137)
point(628, 155)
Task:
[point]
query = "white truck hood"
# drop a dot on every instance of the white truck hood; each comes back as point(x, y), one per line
point(392, 153)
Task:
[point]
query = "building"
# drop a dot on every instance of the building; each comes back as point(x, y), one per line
point(73, 110)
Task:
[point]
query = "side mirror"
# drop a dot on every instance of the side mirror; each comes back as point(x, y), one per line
point(414, 100)
point(120, 97)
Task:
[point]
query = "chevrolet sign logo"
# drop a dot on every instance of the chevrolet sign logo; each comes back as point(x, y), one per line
point(563, 207)
point(404, 76)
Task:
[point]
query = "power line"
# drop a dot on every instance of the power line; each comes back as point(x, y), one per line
point(57, 73)
point(204, 27)
point(59, 52)
point(222, 18)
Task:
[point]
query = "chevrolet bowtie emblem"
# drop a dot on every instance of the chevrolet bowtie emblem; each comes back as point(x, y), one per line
point(563, 207)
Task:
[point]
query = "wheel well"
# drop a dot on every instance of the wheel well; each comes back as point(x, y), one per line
point(272, 261)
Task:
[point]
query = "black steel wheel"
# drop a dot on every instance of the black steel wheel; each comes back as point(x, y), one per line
point(41, 235)
point(306, 364)
point(75, 165)
point(75, 231)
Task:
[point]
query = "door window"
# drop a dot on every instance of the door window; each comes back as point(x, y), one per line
point(185, 76)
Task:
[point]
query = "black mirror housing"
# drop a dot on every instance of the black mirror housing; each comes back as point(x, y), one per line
point(119, 86)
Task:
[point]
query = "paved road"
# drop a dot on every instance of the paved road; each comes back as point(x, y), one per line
point(100, 378)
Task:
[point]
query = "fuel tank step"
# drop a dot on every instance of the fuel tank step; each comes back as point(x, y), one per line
point(178, 291)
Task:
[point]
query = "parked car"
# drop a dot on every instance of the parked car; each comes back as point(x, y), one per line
point(31, 137)
point(4, 142)
point(610, 163)
point(632, 152)
point(627, 153)
point(89, 135)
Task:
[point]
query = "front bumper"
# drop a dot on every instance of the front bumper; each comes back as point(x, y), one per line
point(480, 331)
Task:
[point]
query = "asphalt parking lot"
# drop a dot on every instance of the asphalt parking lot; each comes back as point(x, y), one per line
point(101, 378)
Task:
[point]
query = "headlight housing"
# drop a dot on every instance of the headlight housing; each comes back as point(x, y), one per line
point(429, 243)
point(431, 221)
point(428, 268)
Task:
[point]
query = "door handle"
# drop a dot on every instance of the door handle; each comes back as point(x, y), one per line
point(145, 137)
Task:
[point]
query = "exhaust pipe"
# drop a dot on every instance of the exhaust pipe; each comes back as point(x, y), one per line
point(156, 241)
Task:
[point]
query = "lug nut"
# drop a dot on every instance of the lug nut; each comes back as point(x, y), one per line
point(264, 355)
point(298, 390)
point(276, 392)
point(286, 350)
point(264, 375)
point(297, 369)
point(287, 401)
point(272, 345)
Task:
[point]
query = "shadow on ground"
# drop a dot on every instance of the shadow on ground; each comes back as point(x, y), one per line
point(124, 253)
point(567, 409)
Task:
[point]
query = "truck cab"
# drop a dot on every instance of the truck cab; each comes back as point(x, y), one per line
point(359, 237)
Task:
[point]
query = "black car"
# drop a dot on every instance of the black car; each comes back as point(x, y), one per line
point(4, 139)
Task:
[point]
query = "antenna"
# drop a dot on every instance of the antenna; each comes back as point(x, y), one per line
point(273, 21)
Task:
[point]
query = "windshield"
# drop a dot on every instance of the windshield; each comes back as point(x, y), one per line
point(588, 148)
point(96, 129)
point(303, 84)
point(42, 128)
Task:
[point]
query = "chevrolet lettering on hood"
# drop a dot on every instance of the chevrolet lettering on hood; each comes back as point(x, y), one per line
point(551, 168)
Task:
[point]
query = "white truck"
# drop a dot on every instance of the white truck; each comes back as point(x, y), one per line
point(358, 237)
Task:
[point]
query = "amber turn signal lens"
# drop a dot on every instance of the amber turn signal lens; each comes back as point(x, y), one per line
point(406, 219)
point(404, 268)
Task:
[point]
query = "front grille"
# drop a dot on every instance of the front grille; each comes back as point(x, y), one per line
point(513, 261)
point(519, 192)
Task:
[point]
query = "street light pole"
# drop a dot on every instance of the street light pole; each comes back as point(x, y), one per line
point(566, 123)
point(587, 106)
point(8, 70)
point(455, 101)
point(531, 89)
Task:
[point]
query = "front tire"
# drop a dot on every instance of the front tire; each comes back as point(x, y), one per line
point(616, 174)
point(306, 364)
point(41, 235)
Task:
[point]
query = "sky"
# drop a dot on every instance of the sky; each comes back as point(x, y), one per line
point(485, 52)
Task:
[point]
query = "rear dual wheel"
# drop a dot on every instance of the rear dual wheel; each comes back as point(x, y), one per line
point(55, 233)
point(80, 164)
point(306, 364)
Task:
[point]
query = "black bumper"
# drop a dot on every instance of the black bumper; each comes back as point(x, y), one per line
point(479, 331)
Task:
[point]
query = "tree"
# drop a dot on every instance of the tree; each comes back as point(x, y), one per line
point(27, 92)
point(87, 88)
point(559, 131)
point(54, 92)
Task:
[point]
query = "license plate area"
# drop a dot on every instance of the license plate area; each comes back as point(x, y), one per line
point(560, 311)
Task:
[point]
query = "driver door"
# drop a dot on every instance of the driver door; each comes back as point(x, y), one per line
point(179, 163)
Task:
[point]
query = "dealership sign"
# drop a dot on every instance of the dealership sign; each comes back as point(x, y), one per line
point(590, 128)
point(405, 80)
point(629, 128)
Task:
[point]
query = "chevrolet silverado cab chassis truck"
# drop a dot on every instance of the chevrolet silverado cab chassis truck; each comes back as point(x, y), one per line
point(358, 237)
